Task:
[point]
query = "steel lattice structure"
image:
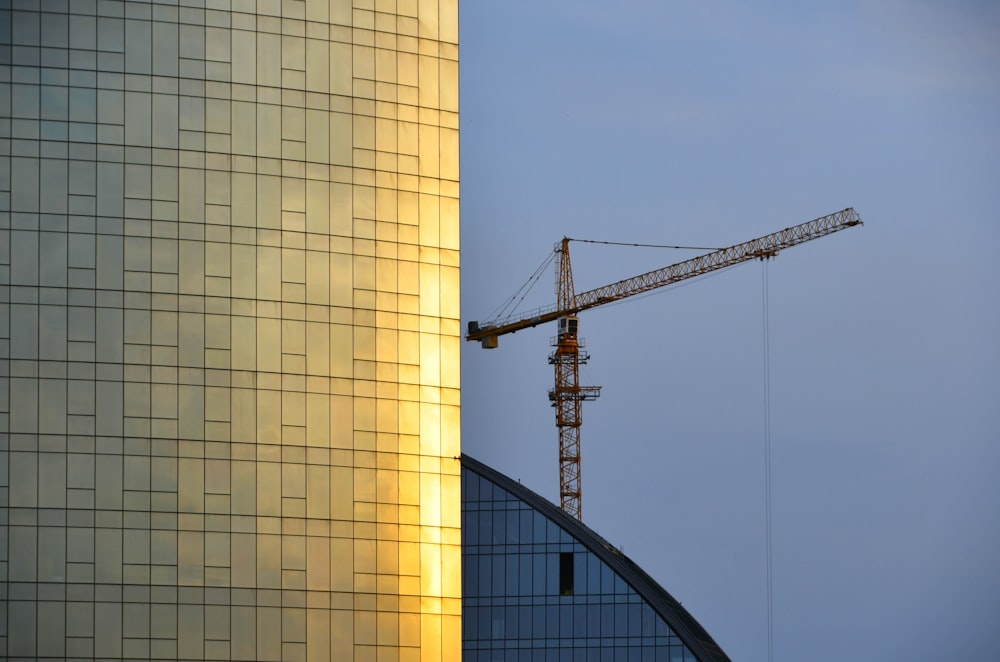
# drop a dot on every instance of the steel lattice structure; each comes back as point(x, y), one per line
point(568, 396)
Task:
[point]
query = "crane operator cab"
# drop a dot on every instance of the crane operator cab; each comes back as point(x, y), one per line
point(568, 327)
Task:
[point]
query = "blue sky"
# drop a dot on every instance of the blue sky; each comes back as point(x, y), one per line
point(711, 123)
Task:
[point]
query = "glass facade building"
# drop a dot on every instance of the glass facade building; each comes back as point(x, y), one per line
point(229, 330)
point(540, 586)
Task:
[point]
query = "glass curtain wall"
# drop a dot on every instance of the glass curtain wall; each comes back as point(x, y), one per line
point(541, 587)
point(229, 330)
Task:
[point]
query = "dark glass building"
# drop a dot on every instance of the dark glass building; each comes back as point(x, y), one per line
point(539, 585)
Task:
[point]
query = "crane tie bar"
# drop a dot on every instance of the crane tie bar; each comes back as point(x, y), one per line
point(624, 243)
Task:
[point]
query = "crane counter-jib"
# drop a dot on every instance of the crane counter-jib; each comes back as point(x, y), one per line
point(759, 248)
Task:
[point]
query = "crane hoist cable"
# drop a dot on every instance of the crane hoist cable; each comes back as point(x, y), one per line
point(768, 568)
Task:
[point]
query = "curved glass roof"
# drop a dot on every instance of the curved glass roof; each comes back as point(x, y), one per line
point(539, 584)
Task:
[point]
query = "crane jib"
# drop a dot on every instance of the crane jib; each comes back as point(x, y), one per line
point(756, 249)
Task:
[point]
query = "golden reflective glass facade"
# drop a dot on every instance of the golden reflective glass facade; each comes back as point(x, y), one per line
point(229, 330)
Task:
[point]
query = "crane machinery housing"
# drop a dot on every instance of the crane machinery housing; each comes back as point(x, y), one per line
point(568, 395)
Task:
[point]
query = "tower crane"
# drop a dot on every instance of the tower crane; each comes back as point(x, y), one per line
point(568, 396)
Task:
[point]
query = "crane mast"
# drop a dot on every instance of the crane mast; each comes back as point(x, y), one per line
point(568, 395)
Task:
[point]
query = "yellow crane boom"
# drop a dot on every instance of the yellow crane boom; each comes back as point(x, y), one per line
point(567, 396)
